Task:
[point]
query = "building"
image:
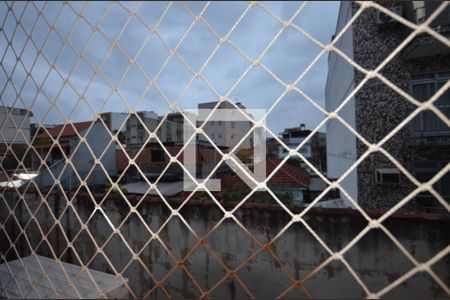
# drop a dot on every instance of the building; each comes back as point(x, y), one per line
point(422, 67)
point(15, 133)
point(292, 137)
point(36, 128)
point(15, 125)
point(289, 183)
point(170, 131)
point(314, 150)
point(115, 123)
point(172, 128)
point(82, 161)
point(152, 160)
point(226, 133)
point(135, 131)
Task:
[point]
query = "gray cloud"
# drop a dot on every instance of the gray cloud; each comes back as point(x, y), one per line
point(288, 57)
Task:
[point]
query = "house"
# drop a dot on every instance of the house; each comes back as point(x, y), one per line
point(292, 137)
point(290, 182)
point(420, 69)
point(152, 160)
point(314, 148)
point(14, 133)
point(68, 145)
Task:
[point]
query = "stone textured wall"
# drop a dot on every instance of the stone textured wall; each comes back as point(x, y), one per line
point(379, 109)
point(375, 258)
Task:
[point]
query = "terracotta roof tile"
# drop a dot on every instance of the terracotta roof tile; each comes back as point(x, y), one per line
point(67, 131)
point(288, 176)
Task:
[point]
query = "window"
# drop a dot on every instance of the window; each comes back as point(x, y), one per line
point(233, 125)
point(157, 156)
point(387, 176)
point(219, 123)
point(424, 86)
point(220, 135)
point(423, 172)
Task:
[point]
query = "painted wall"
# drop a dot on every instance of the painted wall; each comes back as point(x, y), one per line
point(82, 160)
point(341, 143)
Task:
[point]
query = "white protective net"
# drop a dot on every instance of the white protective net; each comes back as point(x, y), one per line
point(36, 26)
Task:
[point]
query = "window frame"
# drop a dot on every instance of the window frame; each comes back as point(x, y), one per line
point(434, 167)
point(435, 78)
point(380, 173)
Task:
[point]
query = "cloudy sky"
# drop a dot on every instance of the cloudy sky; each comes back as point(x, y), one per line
point(287, 58)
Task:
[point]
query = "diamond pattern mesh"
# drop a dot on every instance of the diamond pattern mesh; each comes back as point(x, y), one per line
point(40, 25)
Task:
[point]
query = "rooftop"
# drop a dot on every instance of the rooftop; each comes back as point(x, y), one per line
point(70, 129)
point(288, 176)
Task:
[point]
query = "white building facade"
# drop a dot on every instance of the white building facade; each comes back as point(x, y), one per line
point(341, 143)
point(14, 125)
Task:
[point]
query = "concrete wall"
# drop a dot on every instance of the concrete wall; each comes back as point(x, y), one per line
point(341, 143)
point(375, 259)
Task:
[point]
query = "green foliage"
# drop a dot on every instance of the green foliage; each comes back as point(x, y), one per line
point(294, 161)
point(235, 193)
point(42, 142)
point(114, 190)
point(202, 195)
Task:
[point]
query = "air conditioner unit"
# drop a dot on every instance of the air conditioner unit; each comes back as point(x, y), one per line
point(383, 18)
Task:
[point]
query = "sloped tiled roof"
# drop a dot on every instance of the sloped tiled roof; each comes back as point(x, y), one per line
point(288, 176)
point(67, 131)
